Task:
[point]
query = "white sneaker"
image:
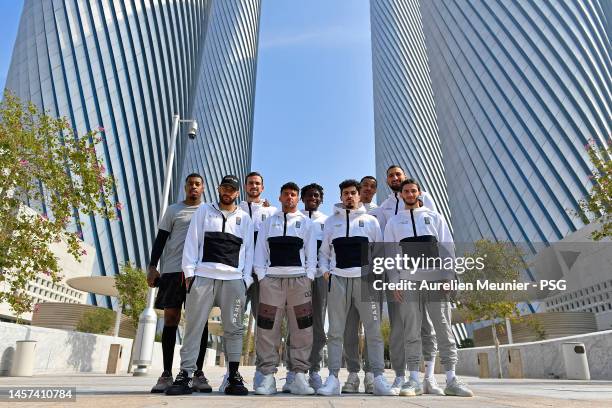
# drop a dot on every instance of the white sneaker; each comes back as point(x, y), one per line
point(315, 381)
point(458, 388)
point(397, 385)
point(224, 383)
point(430, 386)
point(288, 380)
point(331, 386)
point(381, 386)
point(351, 385)
point(299, 386)
point(257, 379)
point(267, 385)
point(411, 388)
point(368, 383)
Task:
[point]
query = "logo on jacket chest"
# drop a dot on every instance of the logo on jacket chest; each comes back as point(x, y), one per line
point(427, 220)
point(238, 220)
point(361, 224)
point(298, 224)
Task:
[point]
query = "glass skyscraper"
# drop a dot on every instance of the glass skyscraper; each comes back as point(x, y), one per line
point(404, 115)
point(128, 66)
point(519, 88)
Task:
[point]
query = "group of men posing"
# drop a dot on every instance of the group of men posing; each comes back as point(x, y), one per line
point(297, 265)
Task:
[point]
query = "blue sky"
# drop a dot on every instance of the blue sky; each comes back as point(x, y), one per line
point(313, 107)
point(9, 22)
point(314, 118)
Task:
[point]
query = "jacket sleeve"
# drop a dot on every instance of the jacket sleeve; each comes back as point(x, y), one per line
point(378, 232)
point(325, 251)
point(247, 271)
point(445, 239)
point(310, 250)
point(379, 214)
point(391, 250)
point(428, 201)
point(193, 242)
point(262, 251)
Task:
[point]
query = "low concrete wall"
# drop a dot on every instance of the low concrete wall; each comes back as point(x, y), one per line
point(65, 351)
point(61, 351)
point(544, 359)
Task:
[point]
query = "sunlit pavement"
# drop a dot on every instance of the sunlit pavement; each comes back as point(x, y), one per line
point(123, 391)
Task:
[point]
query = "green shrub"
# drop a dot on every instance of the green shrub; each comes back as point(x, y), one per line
point(96, 321)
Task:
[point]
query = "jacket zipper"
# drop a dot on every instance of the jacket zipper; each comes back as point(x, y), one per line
point(413, 223)
point(250, 211)
point(222, 216)
point(347, 222)
point(285, 225)
point(396, 203)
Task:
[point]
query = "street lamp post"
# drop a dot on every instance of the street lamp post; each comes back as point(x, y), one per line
point(147, 322)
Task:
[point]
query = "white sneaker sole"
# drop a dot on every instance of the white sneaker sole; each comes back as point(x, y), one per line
point(302, 392)
point(327, 393)
point(259, 391)
point(408, 393)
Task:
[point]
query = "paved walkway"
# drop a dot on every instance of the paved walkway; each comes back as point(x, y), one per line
point(126, 391)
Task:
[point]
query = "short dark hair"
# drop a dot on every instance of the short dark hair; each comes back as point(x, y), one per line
point(350, 183)
point(311, 186)
point(290, 186)
point(369, 178)
point(410, 181)
point(253, 174)
point(394, 166)
point(192, 175)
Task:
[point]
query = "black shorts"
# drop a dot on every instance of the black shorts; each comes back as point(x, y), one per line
point(171, 291)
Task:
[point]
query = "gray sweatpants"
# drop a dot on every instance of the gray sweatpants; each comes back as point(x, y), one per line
point(411, 314)
point(280, 297)
point(319, 304)
point(351, 344)
point(397, 342)
point(344, 293)
point(229, 296)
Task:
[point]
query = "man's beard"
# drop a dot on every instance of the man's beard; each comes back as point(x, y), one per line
point(222, 201)
point(395, 188)
point(254, 195)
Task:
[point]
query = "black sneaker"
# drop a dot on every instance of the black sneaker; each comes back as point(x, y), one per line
point(163, 382)
point(235, 385)
point(181, 385)
point(200, 383)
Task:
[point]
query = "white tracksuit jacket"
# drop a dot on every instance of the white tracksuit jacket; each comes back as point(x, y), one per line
point(219, 246)
point(286, 246)
point(420, 233)
point(343, 236)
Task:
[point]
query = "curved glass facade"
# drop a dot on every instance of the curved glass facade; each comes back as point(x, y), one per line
point(128, 66)
point(404, 115)
point(518, 88)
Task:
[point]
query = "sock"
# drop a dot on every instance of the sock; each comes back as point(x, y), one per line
point(203, 346)
point(403, 378)
point(450, 374)
point(233, 368)
point(168, 343)
point(414, 375)
point(429, 368)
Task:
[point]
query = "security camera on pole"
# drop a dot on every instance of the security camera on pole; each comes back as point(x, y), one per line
point(147, 323)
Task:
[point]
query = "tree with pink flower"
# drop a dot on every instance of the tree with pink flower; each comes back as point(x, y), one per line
point(51, 179)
